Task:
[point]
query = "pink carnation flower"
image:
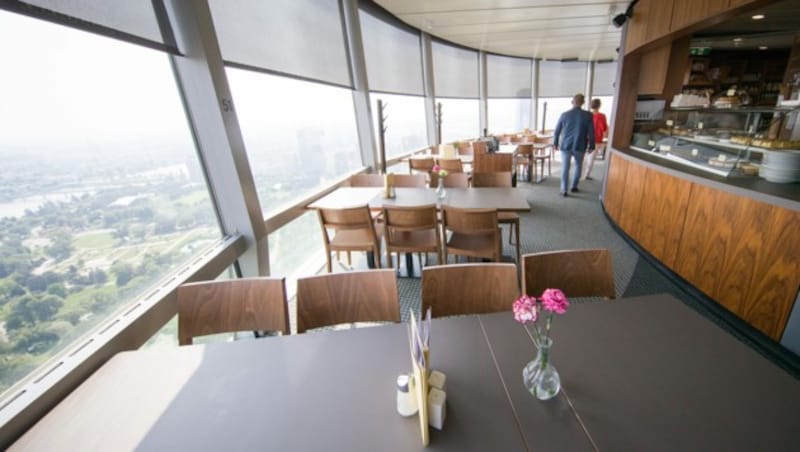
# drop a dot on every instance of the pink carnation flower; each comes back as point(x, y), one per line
point(554, 300)
point(525, 309)
point(436, 168)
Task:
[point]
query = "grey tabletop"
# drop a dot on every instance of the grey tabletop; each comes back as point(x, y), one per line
point(637, 374)
point(501, 198)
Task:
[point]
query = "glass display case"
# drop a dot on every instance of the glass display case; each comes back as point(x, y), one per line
point(729, 142)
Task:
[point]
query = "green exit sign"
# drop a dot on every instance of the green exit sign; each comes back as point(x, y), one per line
point(700, 51)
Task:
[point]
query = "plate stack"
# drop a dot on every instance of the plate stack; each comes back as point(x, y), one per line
point(781, 166)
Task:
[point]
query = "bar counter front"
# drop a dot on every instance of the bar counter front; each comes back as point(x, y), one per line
point(643, 373)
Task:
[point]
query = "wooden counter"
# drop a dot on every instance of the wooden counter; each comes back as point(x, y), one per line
point(741, 251)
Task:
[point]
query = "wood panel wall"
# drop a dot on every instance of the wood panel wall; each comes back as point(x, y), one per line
point(743, 253)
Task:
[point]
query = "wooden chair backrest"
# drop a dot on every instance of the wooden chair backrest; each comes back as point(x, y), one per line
point(366, 180)
point(470, 221)
point(349, 218)
point(525, 150)
point(451, 165)
point(469, 288)
point(492, 163)
point(464, 148)
point(357, 296)
point(409, 218)
point(543, 139)
point(452, 180)
point(501, 179)
point(479, 147)
point(411, 180)
point(249, 304)
point(578, 273)
point(421, 163)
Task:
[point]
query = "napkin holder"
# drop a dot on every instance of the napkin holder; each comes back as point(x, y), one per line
point(388, 186)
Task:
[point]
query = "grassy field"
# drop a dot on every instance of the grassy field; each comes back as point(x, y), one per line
point(94, 240)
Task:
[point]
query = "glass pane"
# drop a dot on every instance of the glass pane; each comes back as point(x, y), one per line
point(393, 54)
point(133, 17)
point(603, 82)
point(554, 107)
point(509, 115)
point(508, 77)
point(455, 71)
point(101, 192)
point(300, 136)
point(298, 37)
point(406, 130)
point(292, 258)
point(460, 119)
point(559, 79)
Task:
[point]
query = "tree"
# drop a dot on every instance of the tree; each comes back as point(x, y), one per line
point(124, 272)
point(98, 276)
point(61, 246)
point(57, 289)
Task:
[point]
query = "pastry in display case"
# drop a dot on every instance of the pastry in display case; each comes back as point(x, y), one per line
point(727, 140)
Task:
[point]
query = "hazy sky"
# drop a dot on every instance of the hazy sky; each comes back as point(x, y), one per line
point(61, 84)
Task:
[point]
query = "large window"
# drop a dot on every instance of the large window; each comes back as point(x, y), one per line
point(101, 192)
point(300, 136)
point(460, 119)
point(509, 115)
point(405, 124)
point(550, 108)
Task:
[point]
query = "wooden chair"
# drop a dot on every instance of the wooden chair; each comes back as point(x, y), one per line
point(510, 218)
point(412, 230)
point(411, 180)
point(353, 230)
point(469, 288)
point(452, 180)
point(420, 164)
point(578, 273)
point(249, 304)
point(474, 233)
point(464, 148)
point(543, 155)
point(493, 163)
point(453, 165)
point(479, 147)
point(349, 297)
point(366, 180)
point(524, 159)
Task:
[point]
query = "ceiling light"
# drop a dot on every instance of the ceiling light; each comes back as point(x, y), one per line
point(737, 39)
point(758, 17)
point(763, 47)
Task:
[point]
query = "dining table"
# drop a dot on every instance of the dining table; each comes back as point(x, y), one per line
point(507, 199)
point(642, 373)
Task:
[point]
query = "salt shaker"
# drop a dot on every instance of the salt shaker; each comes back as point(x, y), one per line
point(406, 401)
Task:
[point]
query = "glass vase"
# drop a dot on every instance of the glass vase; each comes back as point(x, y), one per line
point(539, 376)
point(440, 191)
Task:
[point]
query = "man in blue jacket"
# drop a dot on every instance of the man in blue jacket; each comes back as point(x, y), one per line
point(578, 135)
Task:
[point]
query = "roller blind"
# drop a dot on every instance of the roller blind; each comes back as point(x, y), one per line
point(562, 79)
point(393, 54)
point(508, 77)
point(136, 18)
point(603, 83)
point(455, 71)
point(296, 37)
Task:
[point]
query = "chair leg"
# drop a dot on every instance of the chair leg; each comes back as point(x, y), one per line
point(349, 263)
point(516, 226)
point(328, 261)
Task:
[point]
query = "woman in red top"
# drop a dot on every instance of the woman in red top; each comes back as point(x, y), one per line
point(600, 132)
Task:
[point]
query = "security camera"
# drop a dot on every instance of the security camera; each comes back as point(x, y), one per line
point(619, 19)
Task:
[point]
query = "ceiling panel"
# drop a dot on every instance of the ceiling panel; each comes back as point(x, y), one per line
point(531, 28)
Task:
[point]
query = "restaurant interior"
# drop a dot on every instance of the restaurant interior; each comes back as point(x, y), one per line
point(231, 225)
